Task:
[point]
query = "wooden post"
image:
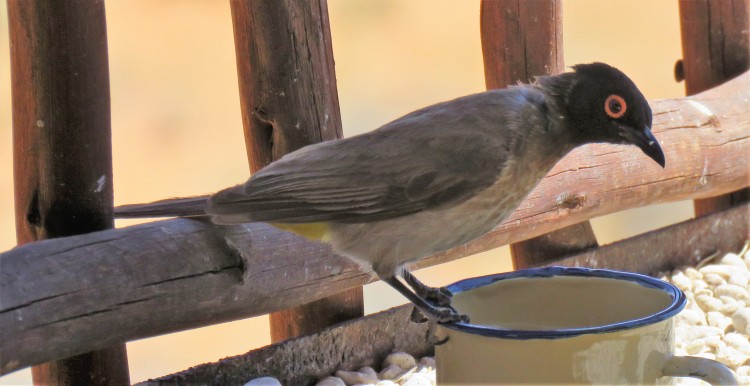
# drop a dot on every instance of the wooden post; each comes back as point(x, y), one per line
point(289, 100)
point(521, 39)
point(715, 48)
point(62, 146)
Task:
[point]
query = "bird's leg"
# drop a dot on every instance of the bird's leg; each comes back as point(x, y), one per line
point(441, 314)
point(438, 295)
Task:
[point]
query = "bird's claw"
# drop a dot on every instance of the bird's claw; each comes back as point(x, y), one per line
point(449, 315)
point(439, 296)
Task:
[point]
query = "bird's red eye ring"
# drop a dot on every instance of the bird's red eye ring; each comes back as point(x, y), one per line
point(615, 106)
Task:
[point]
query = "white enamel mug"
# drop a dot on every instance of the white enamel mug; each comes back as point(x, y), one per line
point(561, 325)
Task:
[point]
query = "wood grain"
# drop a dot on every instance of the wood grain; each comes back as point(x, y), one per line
point(79, 293)
point(715, 48)
point(520, 39)
point(62, 150)
point(289, 100)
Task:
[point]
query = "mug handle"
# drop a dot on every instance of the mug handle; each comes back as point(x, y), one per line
point(705, 369)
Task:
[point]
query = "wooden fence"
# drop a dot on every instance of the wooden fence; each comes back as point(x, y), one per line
point(72, 295)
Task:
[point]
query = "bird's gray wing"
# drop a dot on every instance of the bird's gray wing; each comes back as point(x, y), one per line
point(434, 157)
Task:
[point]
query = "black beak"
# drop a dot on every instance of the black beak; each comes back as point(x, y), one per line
point(646, 141)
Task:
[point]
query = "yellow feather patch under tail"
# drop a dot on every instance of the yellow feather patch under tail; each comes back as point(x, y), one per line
point(317, 231)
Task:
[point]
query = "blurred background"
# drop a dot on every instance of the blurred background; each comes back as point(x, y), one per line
point(177, 128)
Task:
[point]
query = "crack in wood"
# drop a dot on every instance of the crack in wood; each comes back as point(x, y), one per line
point(74, 317)
point(35, 301)
point(223, 270)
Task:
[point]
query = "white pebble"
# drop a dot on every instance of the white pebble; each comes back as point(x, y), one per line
point(427, 362)
point(693, 273)
point(682, 281)
point(721, 270)
point(684, 381)
point(264, 381)
point(733, 291)
point(369, 371)
point(707, 355)
point(386, 383)
point(743, 380)
point(741, 279)
point(703, 291)
point(431, 375)
point(701, 332)
point(691, 317)
point(356, 377)
point(730, 305)
point(400, 359)
point(714, 280)
point(391, 372)
point(731, 357)
point(695, 347)
point(715, 342)
point(331, 381)
point(733, 260)
point(743, 371)
point(417, 379)
point(738, 342)
point(718, 320)
point(708, 303)
point(741, 320)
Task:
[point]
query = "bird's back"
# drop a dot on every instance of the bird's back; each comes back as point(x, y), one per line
point(432, 158)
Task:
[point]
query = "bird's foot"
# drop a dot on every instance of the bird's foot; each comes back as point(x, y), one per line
point(449, 315)
point(439, 296)
point(440, 314)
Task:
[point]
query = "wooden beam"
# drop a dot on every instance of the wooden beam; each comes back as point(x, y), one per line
point(75, 294)
point(289, 100)
point(62, 151)
point(683, 244)
point(715, 48)
point(522, 39)
point(305, 360)
point(366, 341)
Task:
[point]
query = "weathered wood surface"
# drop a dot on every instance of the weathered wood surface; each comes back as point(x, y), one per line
point(683, 244)
point(75, 294)
point(303, 361)
point(62, 150)
point(715, 40)
point(521, 39)
point(289, 100)
point(366, 341)
point(715, 48)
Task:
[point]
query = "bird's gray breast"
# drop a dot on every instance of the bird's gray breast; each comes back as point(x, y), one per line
point(389, 244)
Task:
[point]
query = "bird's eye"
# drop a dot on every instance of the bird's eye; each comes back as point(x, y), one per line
point(615, 106)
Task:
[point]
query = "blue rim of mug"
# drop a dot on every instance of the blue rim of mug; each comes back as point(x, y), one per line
point(678, 302)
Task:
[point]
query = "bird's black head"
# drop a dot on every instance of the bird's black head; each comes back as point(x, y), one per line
point(601, 104)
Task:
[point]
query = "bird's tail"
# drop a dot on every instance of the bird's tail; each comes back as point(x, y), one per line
point(171, 207)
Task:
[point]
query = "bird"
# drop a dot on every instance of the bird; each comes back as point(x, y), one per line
point(435, 178)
